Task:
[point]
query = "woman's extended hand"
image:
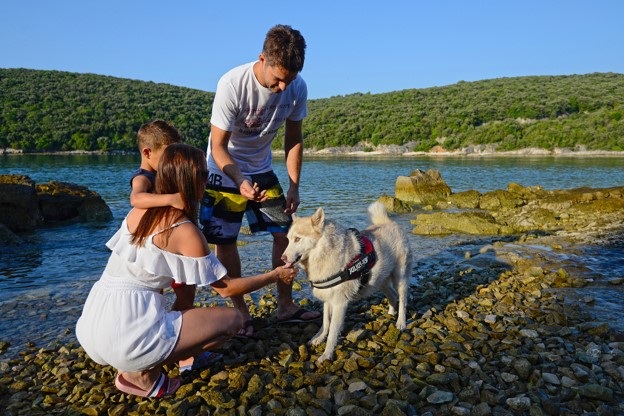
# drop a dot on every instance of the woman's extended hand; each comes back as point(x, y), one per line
point(286, 274)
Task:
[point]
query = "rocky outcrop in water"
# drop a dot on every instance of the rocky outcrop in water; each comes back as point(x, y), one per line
point(514, 210)
point(19, 210)
point(521, 209)
point(421, 187)
point(25, 205)
point(62, 201)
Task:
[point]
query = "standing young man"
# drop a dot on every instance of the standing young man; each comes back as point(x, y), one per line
point(252, 102)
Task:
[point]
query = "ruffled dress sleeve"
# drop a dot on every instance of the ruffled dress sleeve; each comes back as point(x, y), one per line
point(200, 271)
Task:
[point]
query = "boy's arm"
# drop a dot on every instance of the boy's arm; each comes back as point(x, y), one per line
point(140, 196)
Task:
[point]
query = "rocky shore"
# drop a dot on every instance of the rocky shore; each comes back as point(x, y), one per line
point(502, 324)
point(405, 150)
point(499, 332)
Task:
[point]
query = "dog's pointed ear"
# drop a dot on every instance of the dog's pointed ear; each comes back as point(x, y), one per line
point(318, 219)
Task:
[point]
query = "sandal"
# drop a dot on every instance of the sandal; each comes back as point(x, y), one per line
point(244, 331)
point(201, 361)
point(297, 317)
point(162, 387)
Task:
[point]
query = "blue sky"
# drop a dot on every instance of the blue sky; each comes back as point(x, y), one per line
point(353, 46)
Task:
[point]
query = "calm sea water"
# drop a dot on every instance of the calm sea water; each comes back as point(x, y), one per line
point(58, 264)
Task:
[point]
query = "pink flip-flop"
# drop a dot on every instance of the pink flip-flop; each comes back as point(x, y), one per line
point(163, 386)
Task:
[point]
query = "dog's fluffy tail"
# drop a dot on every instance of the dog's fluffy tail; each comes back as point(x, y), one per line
point(378, 213)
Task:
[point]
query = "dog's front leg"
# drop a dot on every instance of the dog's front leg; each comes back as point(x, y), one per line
point(322, 333)
point(335, 327)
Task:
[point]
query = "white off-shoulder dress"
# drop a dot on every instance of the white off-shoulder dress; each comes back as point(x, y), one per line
point(124, 322)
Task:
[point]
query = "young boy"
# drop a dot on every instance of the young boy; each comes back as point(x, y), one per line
point(152, 139)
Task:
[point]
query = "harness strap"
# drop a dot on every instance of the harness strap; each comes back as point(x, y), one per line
point(359, 267)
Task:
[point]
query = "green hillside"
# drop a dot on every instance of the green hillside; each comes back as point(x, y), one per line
point(52, 110)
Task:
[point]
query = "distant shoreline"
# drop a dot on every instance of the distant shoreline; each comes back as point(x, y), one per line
point(531, 152)
point(390, 151)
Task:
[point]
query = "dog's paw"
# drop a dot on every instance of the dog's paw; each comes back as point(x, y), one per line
point(323, 358)
point(316, 341)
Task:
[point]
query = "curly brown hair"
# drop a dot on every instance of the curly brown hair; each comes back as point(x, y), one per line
point(284, 47)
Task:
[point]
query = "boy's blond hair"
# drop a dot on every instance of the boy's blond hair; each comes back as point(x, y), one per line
point(156, 134)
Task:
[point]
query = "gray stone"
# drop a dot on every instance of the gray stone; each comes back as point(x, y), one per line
point(440, 396)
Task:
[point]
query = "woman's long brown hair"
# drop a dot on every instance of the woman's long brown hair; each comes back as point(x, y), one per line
point(180, 167)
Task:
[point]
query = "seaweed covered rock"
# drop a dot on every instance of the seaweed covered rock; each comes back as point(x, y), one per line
point(521, 209)
point(62, 201)
point(469, 222)
point(395, 205)
point(25, 205)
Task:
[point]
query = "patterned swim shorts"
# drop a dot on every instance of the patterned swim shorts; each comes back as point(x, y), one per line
point(222, 210)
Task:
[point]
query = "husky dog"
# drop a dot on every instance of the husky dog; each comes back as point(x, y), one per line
point(344, 265)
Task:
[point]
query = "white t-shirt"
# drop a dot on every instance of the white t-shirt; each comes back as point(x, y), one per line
point(253, 114)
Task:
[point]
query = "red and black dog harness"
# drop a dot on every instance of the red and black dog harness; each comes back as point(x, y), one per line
point(358, 268)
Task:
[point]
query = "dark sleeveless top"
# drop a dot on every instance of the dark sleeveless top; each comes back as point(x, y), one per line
point(149, 175)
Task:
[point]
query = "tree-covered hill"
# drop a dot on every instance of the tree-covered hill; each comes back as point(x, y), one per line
point(508, 113)
point(52, 110)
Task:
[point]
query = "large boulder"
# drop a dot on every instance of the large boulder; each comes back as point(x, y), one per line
point(421, 187)
point(62, 201)
point(25, 205)
point(19, 209)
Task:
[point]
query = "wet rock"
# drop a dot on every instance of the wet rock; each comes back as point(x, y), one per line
point(500, 199)
point(62, 201)
point(421, 187)
point(395, 205)
point(18, 203)
point(25, 205)
point(466, 200)
point(470, 222)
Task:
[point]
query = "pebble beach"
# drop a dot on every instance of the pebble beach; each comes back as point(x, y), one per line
point(502, 331)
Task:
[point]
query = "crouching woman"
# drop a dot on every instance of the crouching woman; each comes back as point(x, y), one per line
point(125, 322)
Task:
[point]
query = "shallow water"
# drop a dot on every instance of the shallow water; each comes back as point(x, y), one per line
point(45, 280)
